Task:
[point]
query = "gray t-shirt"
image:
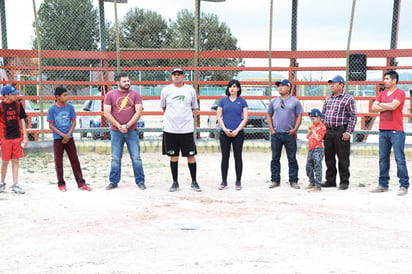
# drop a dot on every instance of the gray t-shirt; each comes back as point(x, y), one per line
point(284, 113)
point(179, 103)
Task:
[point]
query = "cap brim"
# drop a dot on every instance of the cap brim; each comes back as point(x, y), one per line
point(278, 83)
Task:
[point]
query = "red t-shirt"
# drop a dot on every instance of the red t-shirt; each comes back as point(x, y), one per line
point(320, 130)
point(123, 105)
point(391, 120)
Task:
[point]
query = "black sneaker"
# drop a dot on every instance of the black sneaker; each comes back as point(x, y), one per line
point(327, 184)
point(111, 186)
point(174, 187)
point(343, 187)
point(223, 186)
point(141, 186)
point(238, 185)
point(196, 187)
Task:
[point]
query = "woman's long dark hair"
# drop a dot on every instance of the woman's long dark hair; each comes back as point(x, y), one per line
point(231, 83)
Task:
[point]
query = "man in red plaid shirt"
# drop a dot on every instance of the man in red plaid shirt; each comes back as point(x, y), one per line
point(340, 119)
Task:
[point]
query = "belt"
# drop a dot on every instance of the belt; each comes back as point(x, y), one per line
point(337, 128)
point(283, 133)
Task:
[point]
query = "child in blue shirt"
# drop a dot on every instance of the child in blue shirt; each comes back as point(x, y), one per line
point(62, 121)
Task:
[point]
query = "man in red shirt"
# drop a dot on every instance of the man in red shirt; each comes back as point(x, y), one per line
point(391, 133)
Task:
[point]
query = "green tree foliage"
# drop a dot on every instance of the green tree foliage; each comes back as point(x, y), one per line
point(213, 35)
point(141, 29)
point(68, 25)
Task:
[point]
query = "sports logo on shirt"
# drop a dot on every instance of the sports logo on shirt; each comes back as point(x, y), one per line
point(179, 98)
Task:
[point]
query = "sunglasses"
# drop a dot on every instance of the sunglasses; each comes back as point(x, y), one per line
point(282, 104)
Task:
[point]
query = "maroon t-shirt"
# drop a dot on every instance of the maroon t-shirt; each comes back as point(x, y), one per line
point(123, 105)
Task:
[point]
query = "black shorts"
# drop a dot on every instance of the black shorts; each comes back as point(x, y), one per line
point(173, 143)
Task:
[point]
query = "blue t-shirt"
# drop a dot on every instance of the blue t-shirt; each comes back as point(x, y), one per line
point(62, 117)
point(284, 112)
point(232, 111)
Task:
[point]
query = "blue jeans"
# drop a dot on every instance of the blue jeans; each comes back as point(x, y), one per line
point(132, 141)
point(289, 141)
point(387, 140)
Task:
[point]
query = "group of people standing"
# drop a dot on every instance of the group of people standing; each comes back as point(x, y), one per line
point(328, 135)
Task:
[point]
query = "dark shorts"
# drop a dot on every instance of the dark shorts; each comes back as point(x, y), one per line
point(175, 142)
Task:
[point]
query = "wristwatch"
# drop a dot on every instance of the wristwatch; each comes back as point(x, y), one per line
point(127, 126)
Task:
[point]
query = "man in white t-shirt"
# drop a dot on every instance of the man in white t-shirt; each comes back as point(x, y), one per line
point(178, 101)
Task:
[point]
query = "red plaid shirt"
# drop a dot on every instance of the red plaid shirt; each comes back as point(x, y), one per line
point(340, 111)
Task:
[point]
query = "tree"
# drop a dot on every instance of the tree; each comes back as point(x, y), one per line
point(67, 25)
point(141, 29)
point(213, 35)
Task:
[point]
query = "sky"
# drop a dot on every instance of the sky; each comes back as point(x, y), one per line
point(322, 24)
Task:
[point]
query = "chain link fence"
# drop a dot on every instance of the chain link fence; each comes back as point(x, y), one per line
point(85, 42)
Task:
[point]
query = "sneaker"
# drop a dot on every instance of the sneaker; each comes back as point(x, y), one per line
point(223, 186)
point(315, 189)
point(174, 187)
point(294, 185)
point(310, 187)
point(343, 187)
point(17, 189)
point(111, 186)
point(63, 188)
point(196, 187)
point(141, 186)
point(402, 191)
point(274, 184)
point(238, 186)
point(379, 189)
point(85, 187)
point(326, 184)
point(2, 187)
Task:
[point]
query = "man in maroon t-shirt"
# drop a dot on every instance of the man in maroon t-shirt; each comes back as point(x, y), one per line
point(391, 134)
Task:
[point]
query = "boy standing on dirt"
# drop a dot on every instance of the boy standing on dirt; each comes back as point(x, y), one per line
point(13, 135)
point(316, 132)
point(62, 121)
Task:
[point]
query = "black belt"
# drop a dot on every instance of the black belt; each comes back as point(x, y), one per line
point(337, 128)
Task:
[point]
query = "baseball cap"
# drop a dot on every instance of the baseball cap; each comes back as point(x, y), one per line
point(285, 82)
point(9, 89)
point(338, 79)
point(315, 113)
point(177, 69)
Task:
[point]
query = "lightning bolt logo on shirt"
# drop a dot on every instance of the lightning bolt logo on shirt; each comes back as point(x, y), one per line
point(123, 103)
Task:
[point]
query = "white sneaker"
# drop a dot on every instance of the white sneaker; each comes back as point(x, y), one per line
point(17, 189)
point(402, 191)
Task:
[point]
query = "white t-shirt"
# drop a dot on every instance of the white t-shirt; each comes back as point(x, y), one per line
point(179, 103)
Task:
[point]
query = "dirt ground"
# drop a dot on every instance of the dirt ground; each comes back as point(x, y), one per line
point(255, 230)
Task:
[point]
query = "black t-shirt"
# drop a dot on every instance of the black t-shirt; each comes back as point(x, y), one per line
point(13, 112)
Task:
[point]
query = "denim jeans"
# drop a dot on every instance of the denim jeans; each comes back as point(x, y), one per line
point(314, 166)
point(278, 140)
point(132, 141)
point(387, 140)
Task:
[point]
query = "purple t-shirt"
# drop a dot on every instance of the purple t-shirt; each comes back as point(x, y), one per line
point(284, 112)
point(123, 105)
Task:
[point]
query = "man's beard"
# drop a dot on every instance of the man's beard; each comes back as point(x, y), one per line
point(124, 87)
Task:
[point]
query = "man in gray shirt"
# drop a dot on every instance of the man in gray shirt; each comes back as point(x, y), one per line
point(178, 101)
point(284, 118)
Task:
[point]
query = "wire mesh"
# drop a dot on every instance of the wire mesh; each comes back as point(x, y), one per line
point(82, 50)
